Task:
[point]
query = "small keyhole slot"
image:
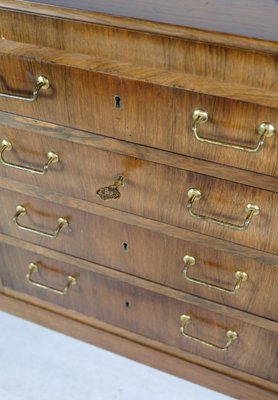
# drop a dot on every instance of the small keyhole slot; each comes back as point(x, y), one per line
point(127, 304)
point(117, 101)
point(125, 246)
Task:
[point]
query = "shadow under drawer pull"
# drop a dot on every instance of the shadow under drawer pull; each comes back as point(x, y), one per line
point(112, 191)
point(239, 275)
point(34, 268)
point(231, 335)
point(265, 129)
point(52, 158)
point(195, 195)
point(41, 83)
point(61, 223)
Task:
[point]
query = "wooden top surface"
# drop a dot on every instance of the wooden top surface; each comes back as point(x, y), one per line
point(249, 18)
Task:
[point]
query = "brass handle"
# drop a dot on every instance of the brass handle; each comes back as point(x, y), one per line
point(112, 191)
point(231, 335)
point(265, 129)
point(52, 158)
point(239, 275)
point(34, 268)
point(41, 83)
point(195, 195)
point(61, 223)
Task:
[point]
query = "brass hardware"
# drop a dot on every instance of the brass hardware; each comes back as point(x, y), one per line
point(34, 268)
point(112, 191)
point(195, 195)
point(265, 130)
point(52, 158)
point(42, 83)
point(231, 335)
point(61, 223)
point(239, 275)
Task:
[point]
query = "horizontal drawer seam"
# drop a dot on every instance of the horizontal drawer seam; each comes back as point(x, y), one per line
point(137, 220)
point(142, 283)
point(164, 78)
point(61, 132)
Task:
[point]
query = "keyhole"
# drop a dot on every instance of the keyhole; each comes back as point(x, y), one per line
point(125, 246)
point(127, 304)
point(117, 100)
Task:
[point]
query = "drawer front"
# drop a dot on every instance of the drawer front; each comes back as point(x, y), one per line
point(151, 190)
point(83, 97)
point(142, 311)
point(205, 272)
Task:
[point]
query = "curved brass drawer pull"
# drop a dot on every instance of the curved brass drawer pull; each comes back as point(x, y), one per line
point(61, 223)
point(34, 268)
point(52, 158)
point(231, 335)
point(41, 83)
point(239, 275)
point(265, 129)
point(195, 195)
point(112, 191)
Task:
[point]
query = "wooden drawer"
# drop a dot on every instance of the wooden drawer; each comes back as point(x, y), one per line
point(151, 190)
point(87, 94)
point(140, 310)
point(147, 254)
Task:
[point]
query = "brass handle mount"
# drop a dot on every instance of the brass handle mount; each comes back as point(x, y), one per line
point(52, 158)
point(195, 195)
point(34, 268)
point(112, 191)
point(240, 276)
point(42, 83)
point(231, 335)
point(61, 223)
point(264, 130)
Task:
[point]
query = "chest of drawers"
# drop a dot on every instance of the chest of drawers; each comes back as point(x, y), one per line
point(139, 181)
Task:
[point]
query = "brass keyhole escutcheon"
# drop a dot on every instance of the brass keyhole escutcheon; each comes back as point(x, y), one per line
point(112, 191)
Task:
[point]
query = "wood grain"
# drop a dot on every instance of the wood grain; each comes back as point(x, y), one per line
point(11, 122)
point(145, 254)
point(132, 219)
point(210, 17)
point(80, 93)
point(133, 308)
point(206, 376)
point(93, 56)
point(166, 53)
point(151, 190)
point(139, 282)
point(206, 83)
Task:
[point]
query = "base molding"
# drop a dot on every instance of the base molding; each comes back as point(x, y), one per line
point(144, 354)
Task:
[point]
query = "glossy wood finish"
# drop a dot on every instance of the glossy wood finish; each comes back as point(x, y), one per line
point(143, 253)
point(151, 190)
point(133, 308)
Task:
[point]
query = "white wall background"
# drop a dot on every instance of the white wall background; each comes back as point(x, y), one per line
point(39, 364)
